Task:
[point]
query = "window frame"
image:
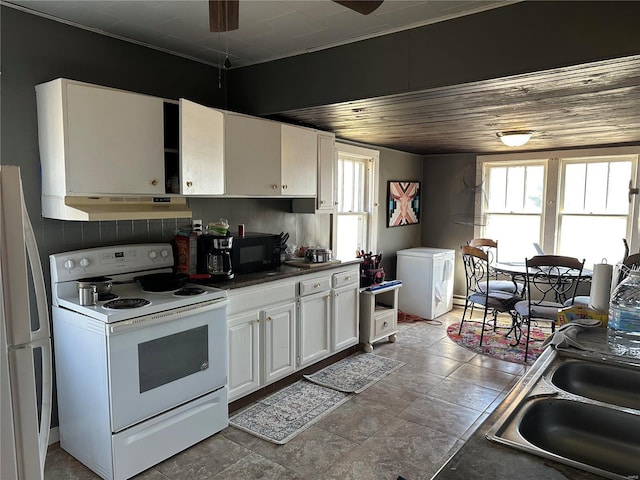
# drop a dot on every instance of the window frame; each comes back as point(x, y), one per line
point(372, 159)
point(555, 162)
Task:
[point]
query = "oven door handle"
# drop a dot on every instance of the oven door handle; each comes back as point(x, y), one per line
point(165, 316)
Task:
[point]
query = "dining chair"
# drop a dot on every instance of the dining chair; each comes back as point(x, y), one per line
point(490, 247)
point(477, 273)
point(551, 282)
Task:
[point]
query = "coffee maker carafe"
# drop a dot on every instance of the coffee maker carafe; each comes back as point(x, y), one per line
point(214, 256)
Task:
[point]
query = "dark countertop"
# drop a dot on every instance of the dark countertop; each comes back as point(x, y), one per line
point(481, 459)
point(283, 271)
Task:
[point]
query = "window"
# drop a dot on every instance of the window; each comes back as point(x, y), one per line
point(355, 222)
point(574, 203)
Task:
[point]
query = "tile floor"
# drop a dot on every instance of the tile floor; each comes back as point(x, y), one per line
point(409, 423)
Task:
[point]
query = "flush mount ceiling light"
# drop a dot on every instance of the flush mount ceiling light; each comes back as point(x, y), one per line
point(515, 138)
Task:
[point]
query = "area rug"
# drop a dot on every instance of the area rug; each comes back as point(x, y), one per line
point(284, 414)
point(355, 373)
point(495, 344)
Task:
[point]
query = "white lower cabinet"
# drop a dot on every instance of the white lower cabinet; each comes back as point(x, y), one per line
point(279, 341)
point(315, 327)
point(278, 327)
point(345, 317)
point(244, 353)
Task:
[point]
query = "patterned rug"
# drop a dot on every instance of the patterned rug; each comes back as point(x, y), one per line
point(495, 344)
point(410, 317)
point(355, 373)
point(282, 415)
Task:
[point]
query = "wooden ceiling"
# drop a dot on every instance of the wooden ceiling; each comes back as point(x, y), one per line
point(576, 106)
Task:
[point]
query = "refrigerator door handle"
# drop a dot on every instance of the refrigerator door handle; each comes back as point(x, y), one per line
point(25, 402)
point(37, 276)
point(42, 336)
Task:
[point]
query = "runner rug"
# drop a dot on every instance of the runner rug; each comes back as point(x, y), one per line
point(282, 415)
point(355, 373)
point(495, 344)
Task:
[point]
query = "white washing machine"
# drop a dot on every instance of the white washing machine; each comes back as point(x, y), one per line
point(427, 281)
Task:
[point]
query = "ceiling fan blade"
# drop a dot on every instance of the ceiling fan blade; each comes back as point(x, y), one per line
point(223, 15)
point(365, 7)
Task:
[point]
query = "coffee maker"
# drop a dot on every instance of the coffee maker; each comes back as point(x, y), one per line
point(214, 256)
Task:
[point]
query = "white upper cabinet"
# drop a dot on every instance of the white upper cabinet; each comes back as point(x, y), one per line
point(299, 161)
point(252, 156)
point(96, 140)
point(201, 149)
point(264, 158)
point(326, 172)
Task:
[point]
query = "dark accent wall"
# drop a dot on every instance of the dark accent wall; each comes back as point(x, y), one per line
point(448, 199)
point(523, 37)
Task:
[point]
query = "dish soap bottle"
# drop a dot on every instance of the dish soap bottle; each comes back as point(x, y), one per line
point(623, 330)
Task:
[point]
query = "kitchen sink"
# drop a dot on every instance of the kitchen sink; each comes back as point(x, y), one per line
point(605, 383)
point(577, 408)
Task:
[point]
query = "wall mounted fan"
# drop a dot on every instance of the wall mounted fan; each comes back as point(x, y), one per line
point(223, 14)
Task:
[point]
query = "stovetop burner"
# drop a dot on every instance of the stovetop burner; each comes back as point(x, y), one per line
point(105, 297)
point(124, 303)
point(189, 291)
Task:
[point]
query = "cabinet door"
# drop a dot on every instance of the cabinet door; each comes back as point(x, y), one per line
point(252, 156)
point(326, 172)
point(244, 354)
point(315, 320)
point(201, 149)
point(299, 161)
point(115, 142)
point(279, 341)
point(345, 317)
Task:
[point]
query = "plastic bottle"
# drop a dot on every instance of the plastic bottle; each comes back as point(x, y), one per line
point(623, 330)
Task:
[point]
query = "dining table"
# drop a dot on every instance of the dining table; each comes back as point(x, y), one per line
point(518, 271)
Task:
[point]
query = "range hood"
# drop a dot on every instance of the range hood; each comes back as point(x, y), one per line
point(114, 208)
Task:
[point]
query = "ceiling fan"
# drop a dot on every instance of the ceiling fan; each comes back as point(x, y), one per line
point(223, 14)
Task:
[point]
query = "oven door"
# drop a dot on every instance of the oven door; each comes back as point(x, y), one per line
point(160, 361)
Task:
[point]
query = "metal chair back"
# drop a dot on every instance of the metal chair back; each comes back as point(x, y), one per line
point(552, 279)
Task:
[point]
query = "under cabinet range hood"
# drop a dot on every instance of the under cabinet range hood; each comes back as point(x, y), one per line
point(114, 208)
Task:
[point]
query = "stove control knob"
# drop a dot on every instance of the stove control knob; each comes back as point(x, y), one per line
point(164, 253)
point(84, 262)
point(153, 254)
point(69, 264)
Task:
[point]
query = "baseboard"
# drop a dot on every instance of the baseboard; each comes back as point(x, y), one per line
point(458, 300)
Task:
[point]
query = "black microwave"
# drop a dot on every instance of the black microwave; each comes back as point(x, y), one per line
point(255, 252)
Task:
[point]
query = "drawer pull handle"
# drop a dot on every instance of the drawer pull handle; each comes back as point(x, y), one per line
point(154, 182)
point(317, 285)
point(189, 184)
point(268, 319)
point(349, 278)
point(385, 324)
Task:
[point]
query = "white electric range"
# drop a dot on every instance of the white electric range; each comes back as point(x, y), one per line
point(141, 375)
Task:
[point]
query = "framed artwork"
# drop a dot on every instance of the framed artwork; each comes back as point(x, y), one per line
point(403, 203)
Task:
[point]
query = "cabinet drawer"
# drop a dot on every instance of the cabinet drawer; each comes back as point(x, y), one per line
point(384, 323)
point(258, 296)
point(342, 279)
point(314, 285)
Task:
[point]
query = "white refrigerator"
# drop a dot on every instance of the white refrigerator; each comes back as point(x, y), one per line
point(25, 343)
point(427, 281)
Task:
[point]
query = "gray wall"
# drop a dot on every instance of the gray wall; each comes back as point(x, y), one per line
point(396, 165)
point(449, 197)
